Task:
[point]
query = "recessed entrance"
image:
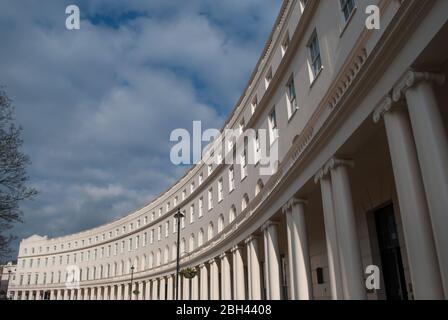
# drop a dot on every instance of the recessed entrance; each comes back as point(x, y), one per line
point(391, 260)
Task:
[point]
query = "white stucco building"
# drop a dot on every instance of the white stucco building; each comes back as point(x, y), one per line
point(361, 122)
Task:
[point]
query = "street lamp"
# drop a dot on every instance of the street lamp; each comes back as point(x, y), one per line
point(178, 216)
point(132, 278)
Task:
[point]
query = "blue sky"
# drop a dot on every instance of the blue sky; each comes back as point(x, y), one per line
point(97, 105)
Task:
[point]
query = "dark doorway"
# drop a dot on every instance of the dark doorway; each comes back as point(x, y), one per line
point(391, 261)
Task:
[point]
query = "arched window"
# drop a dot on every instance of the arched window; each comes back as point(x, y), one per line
point(200, 237)
point(159, 257)
point(87, 273)
point(191, 244)
point(174, 251)
point(210, 231)
point(232, 213)
point(166, 255)
point(244, 202)
point(259, 187)
point(115, 269)
point(136, 264)
point(108, 271)
point(143, 264)
point(151, 260)
point(182, 246)
point(122, 267)
point(129, 266)
point(220, 223)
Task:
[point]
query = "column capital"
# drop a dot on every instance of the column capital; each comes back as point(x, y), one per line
point(202, 265)
point(268, 223)
point(223, 255)
point(292, 202)
point(321, 174)
point(235, 248)
point(412, 78)
point(212, 261)
point(383, 107)
point(334, 162)
point(251, 238)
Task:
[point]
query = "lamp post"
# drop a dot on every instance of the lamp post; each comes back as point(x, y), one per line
point(178, 216)
point(132, 279)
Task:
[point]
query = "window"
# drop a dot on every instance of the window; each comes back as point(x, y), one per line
point(129, 244)
point(145, 239)
point(201, 178)
point(291, 97)
point(201, 207)
point(192, 213)
point(268, 78)
point(303, 4)
point(244, 202)
point(241, 126)
point(231, 179)
point(151, 238)
point(257, 147)
point(209, 168)
point(210, 231)
point(315, 62)
point(184, 195)
point(258, 187)
point(254, 103)
point(167, 229)
point(159, 233)
point(347, 7)
point(160, 211)
point(220, 223)
point(175, 200)
point(153, 216)
point(273, 131)
point(168, 206)
point(200, 237)
point(285, 44)
point(137, 241)
point(232, 213)
point(244, 159)
point(182, 221)
point(192, 187)
point(220, 190)
point(210, 199)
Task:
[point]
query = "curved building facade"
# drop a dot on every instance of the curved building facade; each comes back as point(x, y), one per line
point(360, 188)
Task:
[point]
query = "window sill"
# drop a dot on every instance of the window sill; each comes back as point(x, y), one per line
point(316, 77)
point(292, 114)
point(347, 22)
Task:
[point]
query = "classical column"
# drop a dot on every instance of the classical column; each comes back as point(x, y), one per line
point(170, 287)
point(185, 288)
point(204, 281)
point(155, 289)
point(348, 241)
point(52, 297)
point(415, 216)
point(162, 289)
point(195, 287)
point(119, 294)
point(239, 284)
point(334, 266)
point(273, 260)
point(214, 280)
point(226, 292)
point(431, 142)
point(253, 268)
point(72, 294)
point(148, 290)
point(66, 294)
point(140, 289)
point(299, 260)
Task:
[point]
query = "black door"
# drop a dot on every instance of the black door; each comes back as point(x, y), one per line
point(391, 262)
